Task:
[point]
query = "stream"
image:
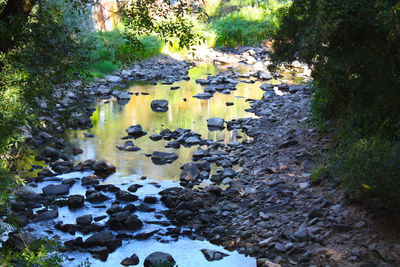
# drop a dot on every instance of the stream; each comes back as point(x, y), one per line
point(110, 120)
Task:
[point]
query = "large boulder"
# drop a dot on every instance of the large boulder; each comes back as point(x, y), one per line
point(161, 158)
point(159, 105)
point(52, 189)
point(101, 244)
point(75, 201)
point(190, 173)
point(157, 258)
point(103, 168)
point(51, 153)
point(95, 197)
point(62, 166)
point(215, 123)
point(135, 131)
point(122, 195)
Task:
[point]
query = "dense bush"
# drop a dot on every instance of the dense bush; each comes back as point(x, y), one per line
point(370, 168)
point(112, 50)
point(248, 24)
point(354, 49)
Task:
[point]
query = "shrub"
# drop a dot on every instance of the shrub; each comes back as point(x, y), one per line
point(353, 48)
point(370, 168)
point(249, 24)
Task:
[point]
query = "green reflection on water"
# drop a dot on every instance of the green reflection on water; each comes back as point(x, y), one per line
point(110, 121)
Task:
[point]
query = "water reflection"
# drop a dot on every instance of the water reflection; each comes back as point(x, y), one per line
point(111, 119)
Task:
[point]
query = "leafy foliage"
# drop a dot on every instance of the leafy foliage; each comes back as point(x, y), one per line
point(170, 21)
point(248, 24)
point(370, 168)
point(112, 50)
point(34, 254)
point(354, 49)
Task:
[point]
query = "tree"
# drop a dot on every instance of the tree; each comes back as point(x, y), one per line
point(354, 49)
point(13, 15)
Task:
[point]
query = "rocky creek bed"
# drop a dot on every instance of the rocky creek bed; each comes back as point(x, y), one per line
point(251, 195)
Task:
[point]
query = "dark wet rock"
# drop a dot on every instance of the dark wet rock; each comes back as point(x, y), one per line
point(159, 105)
point(213, 255)
point(60, 189)
point(150, 199)
point(203, 96)
point(99, 252)
point(156, 137)
point(294, 88)
point(89, 135)
point(45, 173)
point(135, 131)
point(103, 168)
point(90, 180)
point(103, 238)
point(200, 153)
point(66, 228)
point(75, 201)
point(283, 87)
point(173, 144)
point(70, 181)
point(86, 165)
point(125, 196)
point(161, 158)
point(130, 261)
point(268, 96)
point(158, 257)
point(190, 173)
point(46, 215)
point(228, 172)
point(203, 81)
point(267, 87)
point(128, 146)
point(46, 137)
point(62, 166)
point(193, 140)
point(106, 188)
point(74, 244)
point(99, 218)
point(51, 153)
point(18, 205)
point(145, 234)
point(114, 208)
point(124, 220)
point(121, 95)
point(95, 197)
point(145, 208)
point(133, 188)
point(84, 219)
point(216, 123)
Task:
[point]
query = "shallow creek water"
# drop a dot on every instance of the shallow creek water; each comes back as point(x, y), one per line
point(110, 121)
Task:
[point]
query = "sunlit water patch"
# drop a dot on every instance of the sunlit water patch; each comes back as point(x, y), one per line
point(109, 123)
point(111, 119)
